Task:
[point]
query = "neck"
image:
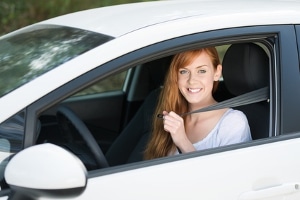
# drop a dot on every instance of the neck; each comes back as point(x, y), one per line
point(196, 106)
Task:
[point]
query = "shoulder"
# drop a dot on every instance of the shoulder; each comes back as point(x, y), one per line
point(234, 127)
point(234, 116)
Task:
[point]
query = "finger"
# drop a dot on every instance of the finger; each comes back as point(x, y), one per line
point(174, 115)
point(172, 121)
point(166, 128)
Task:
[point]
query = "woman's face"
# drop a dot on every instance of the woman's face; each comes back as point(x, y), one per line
point(195, 80)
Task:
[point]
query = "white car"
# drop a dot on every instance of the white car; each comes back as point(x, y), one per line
point(78, 94)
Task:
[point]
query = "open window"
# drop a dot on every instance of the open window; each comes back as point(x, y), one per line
point(121, 127)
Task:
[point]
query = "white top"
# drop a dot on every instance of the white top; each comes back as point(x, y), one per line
point(232, 128)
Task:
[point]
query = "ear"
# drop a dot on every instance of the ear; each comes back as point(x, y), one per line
point(218, 73)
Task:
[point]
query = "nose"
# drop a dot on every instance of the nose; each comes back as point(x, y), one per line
point(192, 78)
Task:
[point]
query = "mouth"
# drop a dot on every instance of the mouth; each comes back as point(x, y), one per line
point(194, 90)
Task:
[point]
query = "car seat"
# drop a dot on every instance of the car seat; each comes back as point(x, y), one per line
point(130, 144)
point(246, 68)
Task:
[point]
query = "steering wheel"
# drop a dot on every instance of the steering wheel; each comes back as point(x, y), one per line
point(85, 134)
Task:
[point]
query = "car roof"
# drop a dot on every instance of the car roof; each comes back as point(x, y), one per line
point(122, 19)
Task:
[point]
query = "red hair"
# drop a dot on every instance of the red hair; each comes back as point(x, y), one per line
point(161, 143)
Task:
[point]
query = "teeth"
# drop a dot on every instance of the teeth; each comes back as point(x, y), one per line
point(194, 90)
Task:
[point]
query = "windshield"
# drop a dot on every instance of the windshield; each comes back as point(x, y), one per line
point(38, 49)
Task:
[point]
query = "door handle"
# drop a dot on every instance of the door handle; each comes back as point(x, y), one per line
point(274, 191)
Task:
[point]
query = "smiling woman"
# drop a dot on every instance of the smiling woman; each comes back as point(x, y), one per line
point(190, 84)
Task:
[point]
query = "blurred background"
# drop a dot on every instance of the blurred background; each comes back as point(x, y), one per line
point(15, 14)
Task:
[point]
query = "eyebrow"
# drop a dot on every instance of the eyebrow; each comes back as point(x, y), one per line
point(202, 66)
point(196, 67)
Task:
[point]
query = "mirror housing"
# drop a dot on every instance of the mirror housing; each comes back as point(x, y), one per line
point(45, 170)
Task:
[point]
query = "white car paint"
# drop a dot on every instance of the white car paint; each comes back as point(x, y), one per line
point(124, 19)
point(59, 175)
point(253, 173)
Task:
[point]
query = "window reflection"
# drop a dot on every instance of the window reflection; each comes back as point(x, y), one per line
point(33, 52)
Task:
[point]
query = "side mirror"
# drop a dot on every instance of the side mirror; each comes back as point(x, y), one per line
point(45, 170)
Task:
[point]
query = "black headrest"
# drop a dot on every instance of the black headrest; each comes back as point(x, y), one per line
point(157, 71)
point(245, 68)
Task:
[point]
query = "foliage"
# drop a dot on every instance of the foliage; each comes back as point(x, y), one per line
point(15, 14)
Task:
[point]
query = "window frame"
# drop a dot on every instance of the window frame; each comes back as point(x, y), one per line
point(169, 47)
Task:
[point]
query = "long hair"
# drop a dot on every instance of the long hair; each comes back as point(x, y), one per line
point(161, 143)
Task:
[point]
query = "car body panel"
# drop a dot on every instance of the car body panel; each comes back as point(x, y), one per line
point(248, 169)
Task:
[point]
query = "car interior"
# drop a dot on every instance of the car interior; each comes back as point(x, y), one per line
point(248, 60)
point(112, 128)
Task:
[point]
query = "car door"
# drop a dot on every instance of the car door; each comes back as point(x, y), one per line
point(265, 168)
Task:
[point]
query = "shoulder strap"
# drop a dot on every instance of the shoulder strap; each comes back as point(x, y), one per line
point(244, 99)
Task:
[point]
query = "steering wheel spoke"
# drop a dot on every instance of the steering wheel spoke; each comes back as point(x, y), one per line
point(84, 133)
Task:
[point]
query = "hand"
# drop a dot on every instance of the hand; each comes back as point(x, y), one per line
point(174, 124)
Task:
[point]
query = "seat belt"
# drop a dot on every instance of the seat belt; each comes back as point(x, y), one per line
point(244, 99)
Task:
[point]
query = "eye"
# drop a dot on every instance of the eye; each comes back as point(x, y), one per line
point(201, 71)
point(183, 71)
